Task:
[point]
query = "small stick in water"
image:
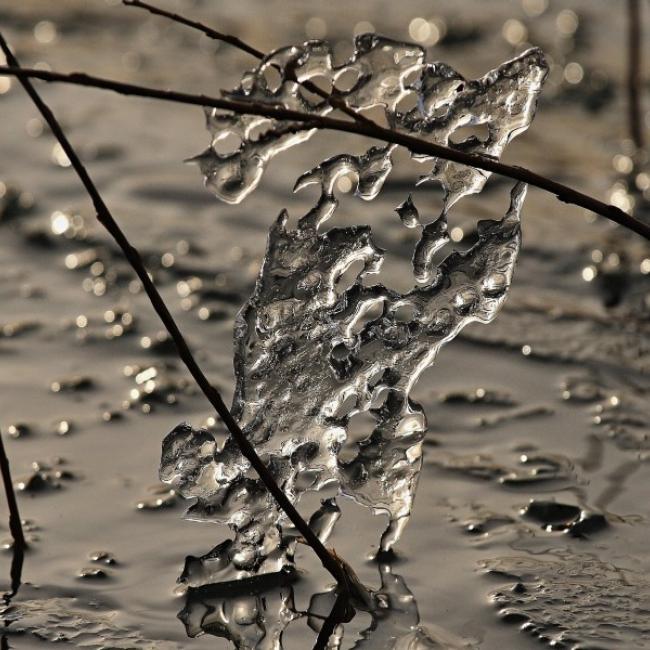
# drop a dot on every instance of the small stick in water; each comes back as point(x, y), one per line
point(15, 524)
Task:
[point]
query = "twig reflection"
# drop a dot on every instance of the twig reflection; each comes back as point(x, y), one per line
point(19, 544)
point(255, 613)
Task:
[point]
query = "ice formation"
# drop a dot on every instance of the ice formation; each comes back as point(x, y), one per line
point(257, 617)
point(312, 353)
point(386, 74)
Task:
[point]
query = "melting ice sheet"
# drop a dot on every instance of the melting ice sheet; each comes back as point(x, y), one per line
point(312, 353)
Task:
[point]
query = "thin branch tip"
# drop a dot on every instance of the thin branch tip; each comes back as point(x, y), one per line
point(208, 31)
point(235, 41)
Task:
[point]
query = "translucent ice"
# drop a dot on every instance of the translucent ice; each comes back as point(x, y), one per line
point(386, 74)
point(307, 363)
point(312, 352)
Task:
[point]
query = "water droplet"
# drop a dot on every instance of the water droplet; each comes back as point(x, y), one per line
point(63, 427)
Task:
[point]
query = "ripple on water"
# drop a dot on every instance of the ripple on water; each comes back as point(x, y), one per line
point(619, 409)
point(156, 384)
point(526, 470)
point(45, 477)
point(555, 516)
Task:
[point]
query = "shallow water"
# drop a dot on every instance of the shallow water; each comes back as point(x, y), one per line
point(564, 420)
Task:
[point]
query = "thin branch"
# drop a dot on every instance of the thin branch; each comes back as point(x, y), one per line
point(634, 84)
point(309, 121)
point(212, 394)
point(15, 572)
point(335, 101)
point(208, 31)
point(15, 524)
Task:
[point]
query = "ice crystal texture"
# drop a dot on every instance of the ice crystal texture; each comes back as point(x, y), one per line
point(385, 74)
point(312, 353)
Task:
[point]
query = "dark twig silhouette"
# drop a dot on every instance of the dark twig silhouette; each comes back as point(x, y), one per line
point(105, 217)
point(336, 616)
point(368, 129)
point(332, 99)
point(634, 82)
point(15, 572)
point(188, 22)
point(15, 525)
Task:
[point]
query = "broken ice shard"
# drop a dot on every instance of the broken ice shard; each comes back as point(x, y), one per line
point(312, 352)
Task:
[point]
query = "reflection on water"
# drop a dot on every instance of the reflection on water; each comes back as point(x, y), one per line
point(17, 561)
point(314, 351)
point(254, 614)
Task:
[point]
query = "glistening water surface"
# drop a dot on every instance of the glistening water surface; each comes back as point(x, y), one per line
point(530, 518)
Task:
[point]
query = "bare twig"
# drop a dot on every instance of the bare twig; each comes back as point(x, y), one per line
point(15, 524)
point(212, 394)
point(208, 31)
point(372, 130)
point(332, 99)
point(634, 82)
point(15, 572)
